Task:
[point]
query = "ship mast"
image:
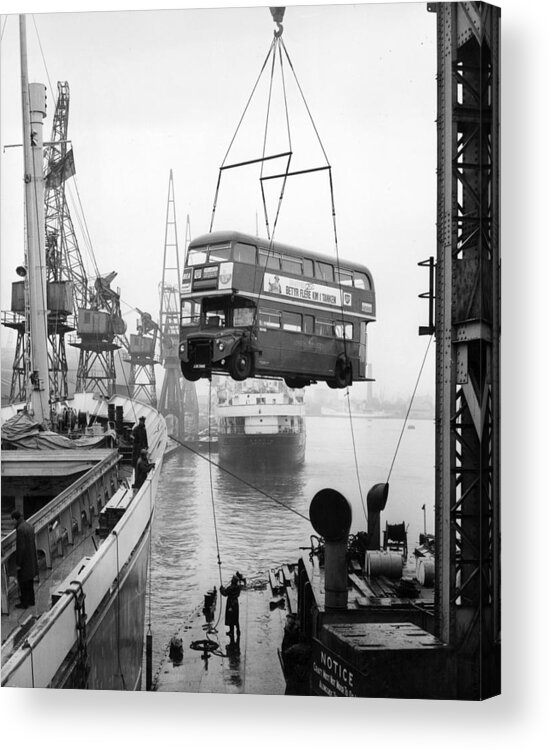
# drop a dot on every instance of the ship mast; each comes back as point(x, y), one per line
point(33, 100)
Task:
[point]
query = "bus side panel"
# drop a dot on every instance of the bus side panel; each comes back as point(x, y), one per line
point(319, 355)
point(292, 352)
point(247, 276)
point(270, 340)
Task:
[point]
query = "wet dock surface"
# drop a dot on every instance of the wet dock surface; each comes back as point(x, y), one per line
point(249, 665)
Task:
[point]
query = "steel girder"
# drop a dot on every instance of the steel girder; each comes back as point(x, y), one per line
point(468, 344)
point(96, 372)
point(142, 382)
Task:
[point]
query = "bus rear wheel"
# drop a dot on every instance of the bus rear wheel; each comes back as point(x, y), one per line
point(342, 373)
point(240, 365)
point(189, 373)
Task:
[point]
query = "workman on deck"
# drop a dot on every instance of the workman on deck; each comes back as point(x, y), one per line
point(143, 467)
point(26, 560)
point(139, 437)
point(232, 592)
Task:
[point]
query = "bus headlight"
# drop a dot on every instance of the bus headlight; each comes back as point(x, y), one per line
point(221, 346)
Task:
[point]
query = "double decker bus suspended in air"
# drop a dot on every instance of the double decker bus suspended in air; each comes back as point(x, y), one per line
point(251, 307)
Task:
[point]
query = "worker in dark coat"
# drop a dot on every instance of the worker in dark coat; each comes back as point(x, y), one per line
point(232, 592)
point(143, 467)
point(139, 437)
point(25, 559)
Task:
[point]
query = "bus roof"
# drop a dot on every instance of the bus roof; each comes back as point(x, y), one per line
point(279, 247)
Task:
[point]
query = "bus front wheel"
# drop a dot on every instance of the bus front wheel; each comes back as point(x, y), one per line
point(189, 373)
point(240, 365)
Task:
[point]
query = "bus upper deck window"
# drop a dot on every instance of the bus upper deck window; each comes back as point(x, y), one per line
point(294, 265)
point(324, 271)
point(270, 260)
point(361, 280)
point(219, 252)
point(196, 256)
point(308, 267)
point(344, 277)
point(244, 253)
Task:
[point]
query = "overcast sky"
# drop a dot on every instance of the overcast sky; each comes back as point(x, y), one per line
point(158, 90)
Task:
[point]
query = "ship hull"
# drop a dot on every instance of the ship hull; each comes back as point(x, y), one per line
point(115, 634)
point(263, 450)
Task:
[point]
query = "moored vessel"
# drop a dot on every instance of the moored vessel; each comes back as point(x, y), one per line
point(261, 422)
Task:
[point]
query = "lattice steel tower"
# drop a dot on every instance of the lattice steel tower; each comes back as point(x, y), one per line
point(66, 276)
point(178, 397)
point(467, 327)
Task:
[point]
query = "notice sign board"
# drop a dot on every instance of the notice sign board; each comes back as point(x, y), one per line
point(333, 676)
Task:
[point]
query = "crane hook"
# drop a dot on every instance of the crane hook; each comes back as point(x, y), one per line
point(277, 14)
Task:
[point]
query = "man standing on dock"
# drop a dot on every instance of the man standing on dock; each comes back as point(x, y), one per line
point(25, 560)
point(232, 593)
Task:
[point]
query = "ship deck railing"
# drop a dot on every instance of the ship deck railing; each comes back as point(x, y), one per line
point(63, 518)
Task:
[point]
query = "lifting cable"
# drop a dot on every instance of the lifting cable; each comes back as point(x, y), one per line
point(210, 462)
point(277, 44)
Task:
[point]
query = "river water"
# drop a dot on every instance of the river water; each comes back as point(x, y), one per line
point(253, 530)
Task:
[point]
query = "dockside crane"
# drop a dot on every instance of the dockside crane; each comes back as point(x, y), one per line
point(140, 355)
point(99, 325)
point(66, 275)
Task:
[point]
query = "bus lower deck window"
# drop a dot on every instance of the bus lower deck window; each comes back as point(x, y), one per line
point(292, 321)
point(343, 328)
point(243, 316)
point(309, 323)
point(270, 318)
point(323, 327)
point(190, 314)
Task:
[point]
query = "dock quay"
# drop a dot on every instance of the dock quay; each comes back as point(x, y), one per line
point(249, 665)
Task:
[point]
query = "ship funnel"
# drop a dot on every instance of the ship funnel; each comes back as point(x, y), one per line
point(376, 502)
point(330, 516)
